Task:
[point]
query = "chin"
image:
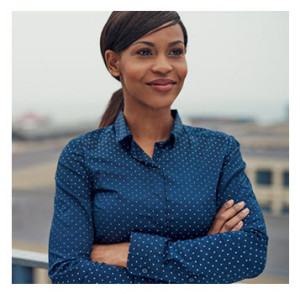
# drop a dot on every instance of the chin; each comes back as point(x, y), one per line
point(155, 101)
point(160, 106)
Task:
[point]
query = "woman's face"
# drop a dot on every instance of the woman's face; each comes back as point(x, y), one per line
point(153, 68)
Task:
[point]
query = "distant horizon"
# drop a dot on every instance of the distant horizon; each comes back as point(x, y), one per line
point(77, 116)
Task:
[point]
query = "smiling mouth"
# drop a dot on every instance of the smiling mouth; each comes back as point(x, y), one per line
point(162, 85)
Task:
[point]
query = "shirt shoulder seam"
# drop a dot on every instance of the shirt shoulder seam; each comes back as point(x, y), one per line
point(198, 131)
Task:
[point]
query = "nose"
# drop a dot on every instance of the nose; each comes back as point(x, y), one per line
point(162, 65)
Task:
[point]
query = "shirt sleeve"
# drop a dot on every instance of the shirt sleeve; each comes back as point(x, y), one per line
point(72, 233)
point(220, 258)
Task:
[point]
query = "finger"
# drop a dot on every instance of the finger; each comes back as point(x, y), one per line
point(231, 212)
point(216, 226)
point(222, 217)
point(238, 226)
point(217, 223)
point(225, 206)
point(226, 212)
point(229, 225)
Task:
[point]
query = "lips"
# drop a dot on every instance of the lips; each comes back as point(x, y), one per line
point(162, 85)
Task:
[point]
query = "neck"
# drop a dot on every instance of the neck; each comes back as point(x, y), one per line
point(149, 125)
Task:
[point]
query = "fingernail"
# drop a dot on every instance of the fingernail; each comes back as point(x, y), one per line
point(246, 210)
point(240, 223)
point(230, 202)
point(239, 205)
point(242, 203)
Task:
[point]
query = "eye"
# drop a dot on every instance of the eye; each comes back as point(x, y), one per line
point(176, 52)
point(144, 52)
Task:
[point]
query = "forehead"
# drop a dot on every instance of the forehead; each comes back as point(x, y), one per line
point(171, 33)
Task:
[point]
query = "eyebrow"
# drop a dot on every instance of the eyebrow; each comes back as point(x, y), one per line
point(152, 45)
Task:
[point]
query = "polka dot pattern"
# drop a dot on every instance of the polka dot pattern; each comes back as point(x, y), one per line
point(108, 190)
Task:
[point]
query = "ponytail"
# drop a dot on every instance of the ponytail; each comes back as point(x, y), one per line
point(115, 105)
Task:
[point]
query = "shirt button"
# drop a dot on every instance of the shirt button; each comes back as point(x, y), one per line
point(144, 270)
point(191, 280)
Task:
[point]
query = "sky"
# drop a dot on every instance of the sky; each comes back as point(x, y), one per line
point(237, 65)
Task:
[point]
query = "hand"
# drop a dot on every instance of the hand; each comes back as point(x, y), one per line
point(229, 218)
point(113, 254)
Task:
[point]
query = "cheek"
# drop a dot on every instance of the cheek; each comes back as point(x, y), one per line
point(132, 73)
point(183, 70)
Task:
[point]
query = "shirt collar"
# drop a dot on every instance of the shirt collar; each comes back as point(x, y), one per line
point(123, 133)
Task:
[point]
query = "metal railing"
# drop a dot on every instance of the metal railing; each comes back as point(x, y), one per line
point(25, 264)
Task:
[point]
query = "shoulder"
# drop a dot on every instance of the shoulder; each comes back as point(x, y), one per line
point(203, 133)
point(80, 144)
point(220, 141)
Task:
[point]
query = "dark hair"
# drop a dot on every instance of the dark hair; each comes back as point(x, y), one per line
point(122, 29)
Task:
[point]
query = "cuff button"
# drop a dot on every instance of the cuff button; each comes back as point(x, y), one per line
point(144, 270)
point(191, 280)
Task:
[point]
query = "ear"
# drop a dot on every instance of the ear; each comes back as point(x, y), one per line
point(112, 62)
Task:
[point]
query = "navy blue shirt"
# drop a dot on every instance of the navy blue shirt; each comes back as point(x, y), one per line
point(108, 190)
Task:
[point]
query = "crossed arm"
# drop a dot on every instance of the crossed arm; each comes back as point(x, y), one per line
point(229, 218)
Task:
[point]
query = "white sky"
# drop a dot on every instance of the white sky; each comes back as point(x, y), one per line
point(237, 61)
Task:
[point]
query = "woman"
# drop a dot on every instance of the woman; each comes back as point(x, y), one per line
point(144, 198)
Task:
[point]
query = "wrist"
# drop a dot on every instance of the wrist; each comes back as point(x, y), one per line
point(125, 253)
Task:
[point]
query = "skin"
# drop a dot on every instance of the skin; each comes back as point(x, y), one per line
point(148, 116)
point(146, 110)
point(229, 218)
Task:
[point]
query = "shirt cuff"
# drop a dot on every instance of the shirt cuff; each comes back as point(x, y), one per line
point(146, 255)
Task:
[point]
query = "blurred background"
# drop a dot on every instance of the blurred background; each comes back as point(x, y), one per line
point(237, 83)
